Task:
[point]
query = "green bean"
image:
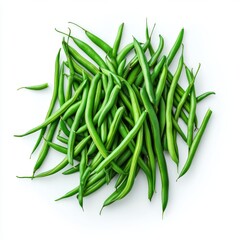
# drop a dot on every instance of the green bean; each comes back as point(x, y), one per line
point(114, 126)
point(195, 143)
point(183, 99)
point(78, 116)
point(82, 61)
point(135, 74)
point(169, 105)
point(175, 47)
point(124, 52)
point(97, 97)
point(156, 54)
point(92, 149)
point(157, 69)
point(121, 67)
point(94, 178)
point(103, 131)
point(122, 145)
point(129, 121)
point(193, 106)
point(109, 105)
point(44, 151)
point(145, 69)
point(61, 96)
point(57, 147)
point(157, 147)
point(88, 118)
point(115, 77)
point(71, 170)
point(35, 87)
point(134, 60)
point(58, 113)
point(110, 65)
point(71, 110)
point(151, 156)
point(117, 41)
point(161, 85)
point(150, 47)
point(88, 50)
point(135, 89)
point(203, 96)
point(78, 69)
point(71, 68)
point(125, 101)
point(110, 138)
point(95, 119)
point(114, 195)
point(162, 116)
point(138, 146)
point(82, 169)
point(94, 187)
point(63, 127)
point(62, 139)
point(53, 100)
point(96, 40)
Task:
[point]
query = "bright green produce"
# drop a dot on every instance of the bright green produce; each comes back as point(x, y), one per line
point(112, 117)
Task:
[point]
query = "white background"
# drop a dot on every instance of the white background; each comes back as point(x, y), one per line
point(202, 205)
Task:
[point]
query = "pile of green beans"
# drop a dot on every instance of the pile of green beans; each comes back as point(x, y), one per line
point(120, 115)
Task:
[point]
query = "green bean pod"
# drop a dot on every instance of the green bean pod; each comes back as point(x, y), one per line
point(35, 87)
point(195, 143)
point(169, 105)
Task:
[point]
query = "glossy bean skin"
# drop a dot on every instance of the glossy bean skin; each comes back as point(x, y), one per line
point(82, 61)
point(134, 60)
point(68, 94)
point(122, 145)
point(195, 143)
point(203, 96)
point(138, 146)
point(161, 85)
point(183, 99)
point(156, 54)
point(175, 47)
point(62, 139)
point(148, 38)
point(151, 155)
point(35, 87)
point(112, 99)
point(96, 40)
point(117, 41)
point(121, 67)
point(169, 105)
point(89, 120)
point(82, 169)
point(76, 122)
point(157, 147)
point(192, 112)
point(71, 110)
point(57, 147)
point(157, 69)
point(124, 52)
point(145, 69)
point(162, 116)
point(61, 94)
